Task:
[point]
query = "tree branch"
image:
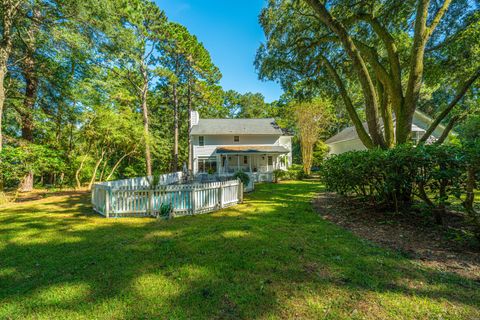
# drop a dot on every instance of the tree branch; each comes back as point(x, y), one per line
point(362, 133)
point(371, 102)
point(461, 92)
point(438, 16)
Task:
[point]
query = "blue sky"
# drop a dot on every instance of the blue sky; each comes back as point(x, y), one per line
point(230, 31)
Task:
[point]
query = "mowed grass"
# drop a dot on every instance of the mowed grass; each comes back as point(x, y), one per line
point(271, 257)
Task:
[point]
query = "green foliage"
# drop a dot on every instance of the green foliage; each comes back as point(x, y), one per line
point(295, 172)
point(234, 264)
point(245, 178)
point(18, 161)
point(248, 105)
point(165, 210)
point(435, 174)
point(279, 174)
point(320, 152)
point(309, 56)
point(93, 68)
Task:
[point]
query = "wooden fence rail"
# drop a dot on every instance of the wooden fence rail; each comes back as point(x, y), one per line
point(129, 200)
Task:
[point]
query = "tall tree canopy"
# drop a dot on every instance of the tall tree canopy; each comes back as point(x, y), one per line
point(92, 88)
point(398, 54)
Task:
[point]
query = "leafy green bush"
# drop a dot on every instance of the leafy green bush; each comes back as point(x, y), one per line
point(433, 173)
point(245, 178)
point(278, 174)
point(295, 172)
point(16, 161)
point(165, 210)
point(469, 135)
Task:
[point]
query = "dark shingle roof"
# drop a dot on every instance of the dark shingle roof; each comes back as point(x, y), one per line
point(236, 126)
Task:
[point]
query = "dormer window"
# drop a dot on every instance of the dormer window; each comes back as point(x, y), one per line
point(201, 141)
point(236, 138)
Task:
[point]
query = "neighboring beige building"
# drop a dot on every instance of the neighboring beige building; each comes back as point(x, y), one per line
point(348, 140)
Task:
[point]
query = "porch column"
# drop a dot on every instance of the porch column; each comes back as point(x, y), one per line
point(238, 162)
point(250, 163)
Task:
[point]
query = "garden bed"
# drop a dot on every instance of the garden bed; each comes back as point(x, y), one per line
point(448, 248)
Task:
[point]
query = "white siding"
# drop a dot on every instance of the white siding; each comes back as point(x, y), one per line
point(344, 146)
point(286, 141)
point(212, 142)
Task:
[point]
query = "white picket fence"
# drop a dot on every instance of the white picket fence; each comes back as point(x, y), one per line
point(131, 200)
point(144, 182)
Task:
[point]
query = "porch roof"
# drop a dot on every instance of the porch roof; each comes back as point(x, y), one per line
point(251, 149)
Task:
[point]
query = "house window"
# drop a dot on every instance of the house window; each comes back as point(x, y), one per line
point(245, 160)
point(201, 141)
point(207, 165)
point(270, 160)
point(236, 139)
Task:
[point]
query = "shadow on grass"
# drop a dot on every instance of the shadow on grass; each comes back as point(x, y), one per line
point(243, 262)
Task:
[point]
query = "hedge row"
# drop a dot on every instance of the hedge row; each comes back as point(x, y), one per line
point(432, 173)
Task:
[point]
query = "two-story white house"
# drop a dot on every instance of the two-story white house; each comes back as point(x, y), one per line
point(225, 146)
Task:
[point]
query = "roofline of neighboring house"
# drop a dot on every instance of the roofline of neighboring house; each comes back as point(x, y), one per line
point(344, 140)
point(425, 117)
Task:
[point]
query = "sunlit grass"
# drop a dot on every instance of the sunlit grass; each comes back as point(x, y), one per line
point(271, 257)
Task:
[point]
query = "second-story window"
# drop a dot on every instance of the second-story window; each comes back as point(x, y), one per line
point(201, 141)
point(236, 139)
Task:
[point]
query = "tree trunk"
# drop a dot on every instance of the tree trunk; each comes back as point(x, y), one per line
point(3, 71)
point(146, 133)
point(31, 89)
point(117, 164)
point(370, 95)
point(362, 133)
point(175, 129)
point(10, 10)
point(26, 185)
point(405, 116)
point(189, 103)
point(460, 93)
point(77, 173)
point(105, 163)
point(94, 175)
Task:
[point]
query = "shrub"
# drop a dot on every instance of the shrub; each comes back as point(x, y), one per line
point(470, 141)
point(278, 175)
point(245, 178)
point(433, 173)
point(165, 210)
point(295, 172)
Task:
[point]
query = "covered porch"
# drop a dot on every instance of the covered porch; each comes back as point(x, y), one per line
point(251, 159)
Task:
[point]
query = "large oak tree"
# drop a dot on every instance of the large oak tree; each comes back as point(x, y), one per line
point(383, 46)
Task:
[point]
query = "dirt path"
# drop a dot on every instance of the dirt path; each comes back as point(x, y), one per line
point(421, 240)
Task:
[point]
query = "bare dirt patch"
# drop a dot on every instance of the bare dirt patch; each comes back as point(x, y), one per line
point(415, 236)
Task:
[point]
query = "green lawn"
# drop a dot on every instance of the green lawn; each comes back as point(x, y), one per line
point(271, 257)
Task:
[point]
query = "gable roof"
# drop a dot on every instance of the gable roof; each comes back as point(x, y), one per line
point(350, 133)
point(266, 126)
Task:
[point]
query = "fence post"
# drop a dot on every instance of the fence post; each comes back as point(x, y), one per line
point(150, 202)
point(240, 191)
point(107, 202)
point(220, 195)
point(193, 201)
